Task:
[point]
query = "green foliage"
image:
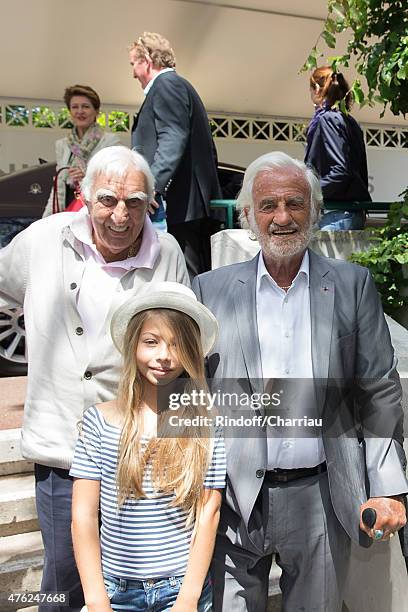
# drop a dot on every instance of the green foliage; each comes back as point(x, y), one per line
point(64, 118)
point(378, 46)
point(43, 117)
point(118, 121)
point(387, 256)
point(101, 120)
point(17, 115)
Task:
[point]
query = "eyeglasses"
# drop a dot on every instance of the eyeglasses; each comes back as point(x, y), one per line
point(132, 203)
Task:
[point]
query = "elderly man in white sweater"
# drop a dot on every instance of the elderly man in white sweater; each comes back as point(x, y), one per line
point(70, 272)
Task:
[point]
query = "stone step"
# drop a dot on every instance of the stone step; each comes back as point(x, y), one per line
point(18, 513)
point(21, 562)
point(11, 461)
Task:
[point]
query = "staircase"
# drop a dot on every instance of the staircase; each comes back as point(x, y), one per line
point(21, 550)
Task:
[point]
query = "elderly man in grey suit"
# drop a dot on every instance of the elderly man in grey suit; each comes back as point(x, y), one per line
point(290, 313)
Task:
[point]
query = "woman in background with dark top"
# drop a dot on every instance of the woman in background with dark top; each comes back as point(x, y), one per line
point(336, 149)
point(85, 139)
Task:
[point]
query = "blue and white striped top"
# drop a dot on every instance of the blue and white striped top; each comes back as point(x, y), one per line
point(145, 538)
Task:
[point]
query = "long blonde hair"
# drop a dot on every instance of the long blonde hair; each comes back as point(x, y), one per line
point(178, 464)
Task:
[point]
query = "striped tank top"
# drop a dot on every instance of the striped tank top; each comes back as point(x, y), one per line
point(144, 538)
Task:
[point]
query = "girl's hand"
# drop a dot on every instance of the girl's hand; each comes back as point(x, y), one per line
point(180, 606)
point(184, 605)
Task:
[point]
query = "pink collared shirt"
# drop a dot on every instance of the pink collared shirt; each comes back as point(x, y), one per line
point(101, 279)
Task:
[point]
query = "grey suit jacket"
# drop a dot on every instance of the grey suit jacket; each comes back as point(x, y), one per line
point(350, 340)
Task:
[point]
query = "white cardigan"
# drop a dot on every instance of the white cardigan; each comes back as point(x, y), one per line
point(62, 155)
point(42, 270)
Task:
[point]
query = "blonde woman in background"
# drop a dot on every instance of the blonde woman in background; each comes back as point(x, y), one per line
point(84, 140)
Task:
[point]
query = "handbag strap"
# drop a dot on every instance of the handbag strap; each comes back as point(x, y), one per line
point(55, 203)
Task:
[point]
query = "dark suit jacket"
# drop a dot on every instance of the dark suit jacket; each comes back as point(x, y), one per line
point(350, 341)
point(172, 132)
point(337, 152)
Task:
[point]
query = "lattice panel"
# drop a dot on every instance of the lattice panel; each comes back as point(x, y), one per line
point(219, 127)
point(44, 115)
point(373, 137)
point(17, 115)
point(261, 130)
point(404, 139)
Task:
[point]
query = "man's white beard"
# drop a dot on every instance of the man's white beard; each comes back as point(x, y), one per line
point(280, 248)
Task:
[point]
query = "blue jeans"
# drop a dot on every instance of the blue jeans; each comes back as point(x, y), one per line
point(156, 595)
point(336, 220)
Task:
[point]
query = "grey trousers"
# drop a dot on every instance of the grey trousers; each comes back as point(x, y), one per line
point(296, 522)
point(53, 489)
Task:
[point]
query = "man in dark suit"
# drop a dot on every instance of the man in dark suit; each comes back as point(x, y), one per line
point(172, 132)
point(293, 315)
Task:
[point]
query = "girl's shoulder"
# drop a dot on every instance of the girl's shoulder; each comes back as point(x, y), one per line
point(110, 413)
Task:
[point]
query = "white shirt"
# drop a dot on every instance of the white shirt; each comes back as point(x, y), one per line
point(284, 331)
point(150, 83)
point(101, 279)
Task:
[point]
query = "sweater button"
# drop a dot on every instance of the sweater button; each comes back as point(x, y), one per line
point(73, 286)
point(88, 375)
point(260, 473)
point(79, 331)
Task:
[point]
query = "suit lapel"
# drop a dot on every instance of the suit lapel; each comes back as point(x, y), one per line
point(321, 313)
point(137, 115)
point(246, 321)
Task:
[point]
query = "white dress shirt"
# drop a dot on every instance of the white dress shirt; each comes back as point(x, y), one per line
point(150, 83)
point(101, 278)
point(284, 331)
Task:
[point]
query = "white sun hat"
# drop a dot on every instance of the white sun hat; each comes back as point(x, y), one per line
point(165, 295)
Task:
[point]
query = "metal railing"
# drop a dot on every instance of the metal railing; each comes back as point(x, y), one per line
point(369, 207)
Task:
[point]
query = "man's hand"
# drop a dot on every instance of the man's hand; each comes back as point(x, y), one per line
point(391, 515)
point(152, 206)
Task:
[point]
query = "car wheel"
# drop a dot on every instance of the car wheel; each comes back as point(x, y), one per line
point(12, 342)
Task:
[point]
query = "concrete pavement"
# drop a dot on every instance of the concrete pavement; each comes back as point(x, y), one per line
point(12, 394)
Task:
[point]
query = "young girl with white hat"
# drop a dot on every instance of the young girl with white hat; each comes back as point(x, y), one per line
point(159, 497)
